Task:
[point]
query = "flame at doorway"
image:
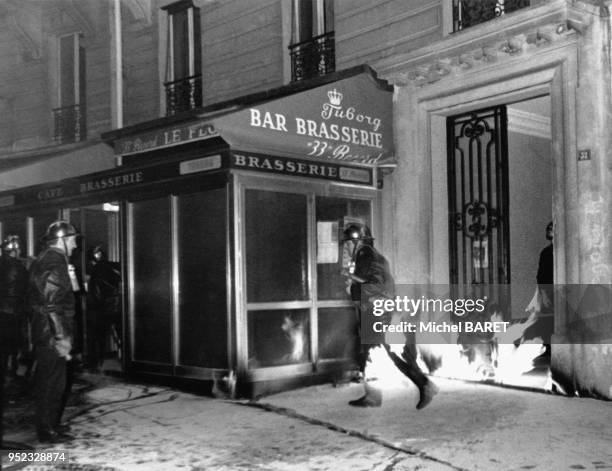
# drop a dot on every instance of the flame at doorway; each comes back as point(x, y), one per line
point(503, 359)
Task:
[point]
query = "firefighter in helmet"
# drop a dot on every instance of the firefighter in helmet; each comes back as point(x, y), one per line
point(13, 286)
point(52, 305)
point(369, 278)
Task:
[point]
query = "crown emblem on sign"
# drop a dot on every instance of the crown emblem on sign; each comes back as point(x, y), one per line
point(335, 97)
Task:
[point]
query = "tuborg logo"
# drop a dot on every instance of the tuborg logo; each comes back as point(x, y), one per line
point(335, 97)
point(334, 109)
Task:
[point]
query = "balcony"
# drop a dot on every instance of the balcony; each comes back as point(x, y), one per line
point(183, 94)
point(69, 124)
point(314, 57)
point(468, 13)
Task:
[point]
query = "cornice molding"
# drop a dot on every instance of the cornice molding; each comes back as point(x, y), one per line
point(531, 124)
point(503, 39)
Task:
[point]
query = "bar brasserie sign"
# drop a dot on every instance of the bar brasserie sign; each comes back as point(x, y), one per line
point(348, 121)
point(327, 136)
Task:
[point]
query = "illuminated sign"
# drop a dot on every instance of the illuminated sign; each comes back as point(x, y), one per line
point(301, 167)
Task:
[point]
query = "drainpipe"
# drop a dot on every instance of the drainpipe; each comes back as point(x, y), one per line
point(118, 60)
point(117, 73)
point(604, 12)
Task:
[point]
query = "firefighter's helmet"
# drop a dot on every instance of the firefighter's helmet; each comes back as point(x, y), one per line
point(60, 229)
point(357, 231)
point(98, 253)
point(11, 243)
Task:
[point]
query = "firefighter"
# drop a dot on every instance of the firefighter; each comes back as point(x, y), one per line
point(52, 305)
point(368, 278)
point(13, 286)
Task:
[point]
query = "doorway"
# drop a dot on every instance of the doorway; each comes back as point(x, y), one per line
point(500, 195)
point(97, 261)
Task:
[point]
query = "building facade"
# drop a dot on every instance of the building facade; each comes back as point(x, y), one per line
point(179, 81)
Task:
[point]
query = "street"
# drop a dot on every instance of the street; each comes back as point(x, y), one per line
point(468, 426)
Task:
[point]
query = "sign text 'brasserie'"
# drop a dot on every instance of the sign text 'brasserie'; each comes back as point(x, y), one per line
point(334, 134)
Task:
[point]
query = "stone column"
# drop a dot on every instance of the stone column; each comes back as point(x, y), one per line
point(580, 358)
point(407, 212)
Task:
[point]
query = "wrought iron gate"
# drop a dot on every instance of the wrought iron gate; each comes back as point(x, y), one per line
point(478, 198)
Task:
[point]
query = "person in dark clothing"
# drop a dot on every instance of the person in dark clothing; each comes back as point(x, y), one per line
point(52, 305)
point(13, 285)
point(104, 303)
point(544, 324)
point(369, 277)
point(545, 276)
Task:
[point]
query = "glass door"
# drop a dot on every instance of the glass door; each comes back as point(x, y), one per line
point(298, 317)
point(337, 320)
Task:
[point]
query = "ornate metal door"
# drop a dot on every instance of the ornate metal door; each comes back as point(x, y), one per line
point(478, 197)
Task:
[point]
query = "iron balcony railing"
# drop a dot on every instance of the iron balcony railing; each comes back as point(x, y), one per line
point(69, 124)
point(183, 94)
point(314, 57)
point(468, 13)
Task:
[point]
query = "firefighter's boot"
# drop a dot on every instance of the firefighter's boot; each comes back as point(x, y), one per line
point(371, 398)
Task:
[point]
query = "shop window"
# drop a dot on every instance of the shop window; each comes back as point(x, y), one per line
point(184, 58)
point(151, 241)
point(468, 13)
point(332, 215)
point(202, 245)
point(69, 117)
point(279, 337)
point(312, 48)
point(277, 246)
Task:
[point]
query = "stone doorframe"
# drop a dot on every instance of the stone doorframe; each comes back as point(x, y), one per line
point(420, 241)
point(574, 70)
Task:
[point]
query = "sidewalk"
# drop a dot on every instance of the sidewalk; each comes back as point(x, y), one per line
point(467, 427)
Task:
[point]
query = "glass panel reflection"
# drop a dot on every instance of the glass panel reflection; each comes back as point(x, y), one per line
point(152, 277)
point(276, 246)
point(338, 333)
point(278, 337)
point(202, 275)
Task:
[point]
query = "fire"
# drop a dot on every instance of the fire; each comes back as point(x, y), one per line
point(503, 359)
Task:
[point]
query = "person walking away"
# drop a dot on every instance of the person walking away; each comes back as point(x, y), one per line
point(369, 277)
point(52, 305)
point(544, 305)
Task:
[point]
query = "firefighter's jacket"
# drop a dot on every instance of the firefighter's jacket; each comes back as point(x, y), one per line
point(13, 286)
point(51, 300)
point(370, 277)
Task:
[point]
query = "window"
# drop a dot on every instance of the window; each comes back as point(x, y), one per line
point(468, 13)
point(70, 115)
point(312, 46)
point(184, 58)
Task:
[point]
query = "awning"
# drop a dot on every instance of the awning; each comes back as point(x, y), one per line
point(347, 120)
